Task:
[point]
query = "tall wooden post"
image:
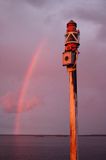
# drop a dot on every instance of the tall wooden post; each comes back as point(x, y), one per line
point(69, 60)
point(73, 117)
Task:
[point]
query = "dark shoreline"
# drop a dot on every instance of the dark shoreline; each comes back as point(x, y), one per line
point(93, 135)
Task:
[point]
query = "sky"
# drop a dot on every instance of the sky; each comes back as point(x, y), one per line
point(34, 86)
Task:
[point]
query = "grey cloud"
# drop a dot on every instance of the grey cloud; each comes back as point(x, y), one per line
point(98, 17)
point(93, 12)
point(43, 3)
point(90, 15)
point(38, 3)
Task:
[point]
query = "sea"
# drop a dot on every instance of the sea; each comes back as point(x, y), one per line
point(41, 147)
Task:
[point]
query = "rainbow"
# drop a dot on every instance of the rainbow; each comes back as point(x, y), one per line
point(25, 85)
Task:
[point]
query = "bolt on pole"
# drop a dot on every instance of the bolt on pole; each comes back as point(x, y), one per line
point(70, 56)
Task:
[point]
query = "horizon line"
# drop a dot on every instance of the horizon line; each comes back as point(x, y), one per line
point(39, 135)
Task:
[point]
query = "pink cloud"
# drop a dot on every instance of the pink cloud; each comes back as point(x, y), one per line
point(10, 100)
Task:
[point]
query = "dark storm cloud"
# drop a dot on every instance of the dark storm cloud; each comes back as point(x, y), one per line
point(43, 4)
point(91, 15)
point(93, 12)
point(38, 3)
point(97, 17)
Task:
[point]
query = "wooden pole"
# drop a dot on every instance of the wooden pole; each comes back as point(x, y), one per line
point(69, 60)
point(73, 116)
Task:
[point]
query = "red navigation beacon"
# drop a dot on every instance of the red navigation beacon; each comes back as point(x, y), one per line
point(71, 44)
point(72, 36)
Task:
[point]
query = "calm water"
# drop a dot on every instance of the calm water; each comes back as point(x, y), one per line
point(50, 148)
